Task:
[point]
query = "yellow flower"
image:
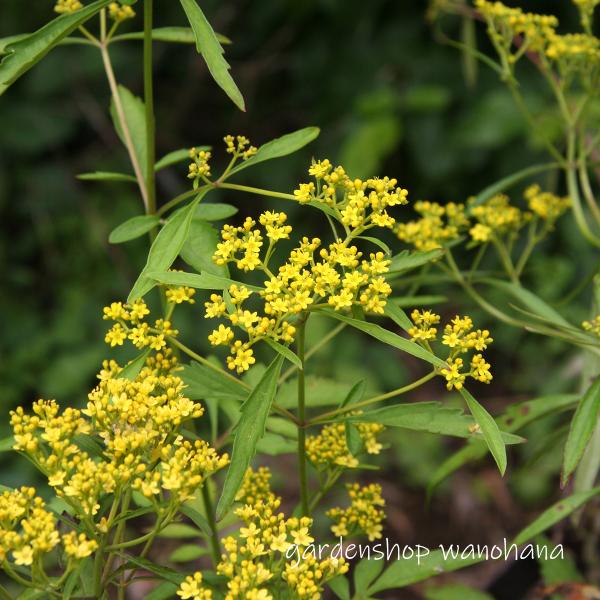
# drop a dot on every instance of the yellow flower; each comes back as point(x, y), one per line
point(67, 6)
point(191, 588)
point(78, 546)
point(120, 12)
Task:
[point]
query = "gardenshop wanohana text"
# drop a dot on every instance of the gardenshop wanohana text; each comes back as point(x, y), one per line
point(387, 550)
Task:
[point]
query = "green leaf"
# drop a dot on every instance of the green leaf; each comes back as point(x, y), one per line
point(177, 35)
point(489, 428)
point(198, 519)
point(106, 176)
point(202, 382)
point(507, 182)
point(133, 228)
point(249, 429)
point(320, 391)
point(411, 301)
point(515, 418)
point(528, 299)
point(356, 394)
point(364, 574)
point(281, 146)
point(431, 417)
point(158, 570)
point(187, 553)
point(135, 117)
point(394, 312)
point(209, 46)
point(25, 52)
point(407, 571)
point(164, 249)
point(6, 444)
point(554, 514)
point(340, 586)
point(204, 281)
point(165, 591)
point(354, 441)
point(583, 424)
point(179, 531)
point(387, 337)
point(285, 352)
point(275, 445)
point(377, 242)
point(177, 156)
point(556, 570)
point(11, 39)
point(455, 591)
point(199, 247)
point(215, 212)
point(407, 260)
point(132, 369)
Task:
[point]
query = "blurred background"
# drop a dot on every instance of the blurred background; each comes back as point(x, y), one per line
point(390, 99)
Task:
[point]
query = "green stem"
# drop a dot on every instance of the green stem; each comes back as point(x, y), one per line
point(586, 186)
point(210, 517)
point(253, 190)
point(149, 109)
point(99, 588)
point(178, 199)
point(4, 594)
point(331, 480)
point(397, 392)
point(302, 467)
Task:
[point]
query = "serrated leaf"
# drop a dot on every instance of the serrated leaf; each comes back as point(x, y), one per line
point(489, 428)
point(281, 146)
point(249, 429)
point(133, 228)
point(177, 35)
point(165, 249)
point(106, 176)
point(340, 586)
point(177, 156)
point(27, 51)
point(209, 47)
point(199, 247)
point(364, 574)
point(388, 337)
point(557, 512)
point(582, 427)
point(135, 117)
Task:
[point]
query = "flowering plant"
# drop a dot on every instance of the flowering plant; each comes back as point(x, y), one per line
point(135, 464)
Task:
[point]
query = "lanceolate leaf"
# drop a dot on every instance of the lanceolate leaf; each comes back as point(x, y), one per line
point(202, 281)
point(209, 46)
point(285, 352)
point(394, 312)
point(555, 513)
point(282, 146)
point(177, 156)
point(583, 424)
point(133, 368)
point(133, 228)
point(489, 428)
point(387, 337)
point(27, 51)
point(200, 246)
point(408, 260)
point(106, 176)
point(177, 35)
point(133, 107)
point(249, 429)
point(165, 248)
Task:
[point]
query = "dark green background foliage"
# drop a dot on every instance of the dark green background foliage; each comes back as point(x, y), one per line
point(390, 99)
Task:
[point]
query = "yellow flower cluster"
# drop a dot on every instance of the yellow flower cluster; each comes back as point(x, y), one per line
point(28, 530)
point(507, 23)
point(328, 450)
point(249, 562)
point(199, 169)
point(592, 326)
point(574, 52)
point(137, 423)
point(130, 321)
point(460, 337)
point(586, 10)
point(358, 204)
point(338, 277)
point(545, 205)
point(497, 218)
point(364, 515)
point(120, 12)
point(67, 6)
point(239, 146)
point(437, 226)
